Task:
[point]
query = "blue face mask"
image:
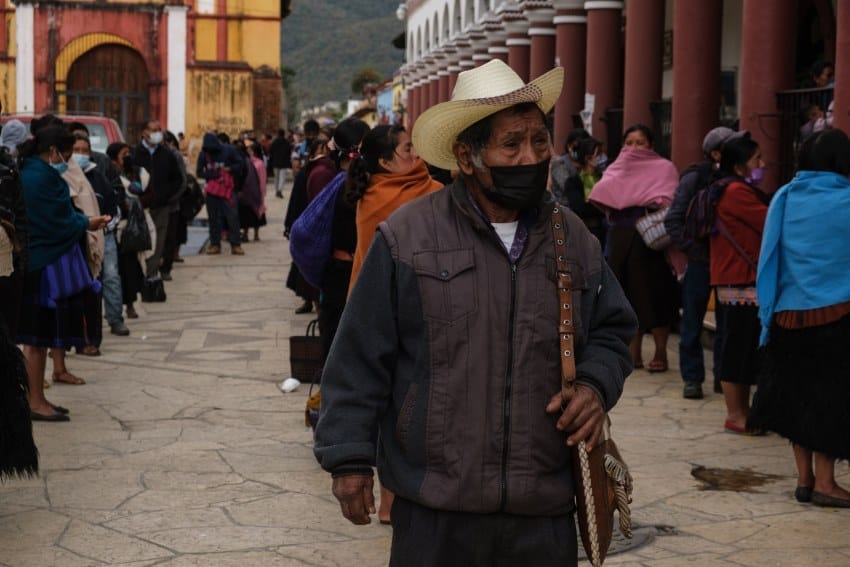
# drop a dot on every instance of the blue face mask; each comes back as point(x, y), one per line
point(60, 167)
point(82, 160)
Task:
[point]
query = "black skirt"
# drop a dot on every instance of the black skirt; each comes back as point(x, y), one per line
point(804, 390)
point(645, 277)
point(740, 357)
point(62, 327)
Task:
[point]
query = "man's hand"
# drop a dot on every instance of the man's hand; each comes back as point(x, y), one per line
point(355, 497)
point(582, 415)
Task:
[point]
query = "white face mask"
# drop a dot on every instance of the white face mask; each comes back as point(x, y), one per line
point(156, 138)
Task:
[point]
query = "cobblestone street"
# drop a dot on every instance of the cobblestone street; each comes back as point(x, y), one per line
point(183, 451)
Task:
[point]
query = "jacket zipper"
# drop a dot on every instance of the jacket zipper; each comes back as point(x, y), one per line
point(508, 379)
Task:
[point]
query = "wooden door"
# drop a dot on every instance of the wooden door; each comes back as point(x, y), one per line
point(112, 80)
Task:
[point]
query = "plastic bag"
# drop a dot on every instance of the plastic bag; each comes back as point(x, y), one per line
point(136, 237)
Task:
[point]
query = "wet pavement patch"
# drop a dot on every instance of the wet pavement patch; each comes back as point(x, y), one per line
point(737, 480)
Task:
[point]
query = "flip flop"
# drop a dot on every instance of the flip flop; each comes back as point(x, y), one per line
point(52, 417)
point(67, 378)
point(657, 366)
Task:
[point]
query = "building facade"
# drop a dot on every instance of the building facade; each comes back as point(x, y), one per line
point(194, 65)
point(688, 65)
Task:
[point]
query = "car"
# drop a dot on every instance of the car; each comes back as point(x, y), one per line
point(102, 130)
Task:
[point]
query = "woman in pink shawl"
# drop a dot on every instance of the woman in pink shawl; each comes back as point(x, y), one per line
point(252, 198)
point(638, 182)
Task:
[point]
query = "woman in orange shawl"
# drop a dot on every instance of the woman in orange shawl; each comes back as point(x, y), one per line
point(387, 174)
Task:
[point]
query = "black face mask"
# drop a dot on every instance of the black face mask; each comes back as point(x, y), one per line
point(518, 187)
point(127, 163)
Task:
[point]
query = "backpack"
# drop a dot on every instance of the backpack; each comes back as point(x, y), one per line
point(701, 217)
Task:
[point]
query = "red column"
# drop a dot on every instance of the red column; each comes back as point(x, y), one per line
point(604, 60)
point(221, 30)
point(443, 86)
point(696, 76)
point(434, 89)
point(412, 105)
point(498, 50)
point(767, 66)
point(541, 30)
point(519, 46)
point(644, 52)
point(570, 47)
point(841, 108)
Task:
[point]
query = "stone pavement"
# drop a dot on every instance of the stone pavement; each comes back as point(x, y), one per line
point(182, 451)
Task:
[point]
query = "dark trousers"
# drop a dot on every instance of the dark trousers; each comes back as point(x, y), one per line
point(696, 290)
point(218, 209)
point(423, 537)
point(172, 246)
point(333, 299)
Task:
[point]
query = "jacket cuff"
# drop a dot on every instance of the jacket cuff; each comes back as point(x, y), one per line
point(599, 395)
point(352, 468)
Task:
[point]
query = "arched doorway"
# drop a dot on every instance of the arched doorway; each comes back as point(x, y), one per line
point(112, 80)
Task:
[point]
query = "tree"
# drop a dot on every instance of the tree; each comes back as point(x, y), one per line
point(293, 101)
point(363, 77)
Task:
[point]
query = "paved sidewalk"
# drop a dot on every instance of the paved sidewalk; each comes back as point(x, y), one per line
point(182, 451)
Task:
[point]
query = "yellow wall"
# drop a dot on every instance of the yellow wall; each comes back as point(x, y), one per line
point(251, 41)
point(221, 100)
point(205, 40)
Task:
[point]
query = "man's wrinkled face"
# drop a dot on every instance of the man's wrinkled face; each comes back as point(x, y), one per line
point(516, 138)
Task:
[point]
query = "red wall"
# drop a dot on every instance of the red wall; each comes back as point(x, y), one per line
point(145, 30)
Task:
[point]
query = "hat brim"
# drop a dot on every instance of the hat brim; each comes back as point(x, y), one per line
point(437, 129)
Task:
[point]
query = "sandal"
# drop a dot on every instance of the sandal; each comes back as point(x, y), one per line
point(656, 365)
point(89, 350)
point(67, 378)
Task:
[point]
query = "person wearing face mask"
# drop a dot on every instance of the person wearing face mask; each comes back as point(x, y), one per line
point(166, 180)
point(446, 368)
point(108, 201)
point(638, 182)
point(733, 257)
point(52, 311)
point(579, 185)
point(696, 288)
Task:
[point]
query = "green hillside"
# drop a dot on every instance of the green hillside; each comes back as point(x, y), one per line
point(327, 41)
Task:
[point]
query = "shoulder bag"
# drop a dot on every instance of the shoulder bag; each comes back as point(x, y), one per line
point(310, 239)
point(603, 482)
point(652, 230)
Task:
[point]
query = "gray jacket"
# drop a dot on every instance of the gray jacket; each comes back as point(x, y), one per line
point(447, 355)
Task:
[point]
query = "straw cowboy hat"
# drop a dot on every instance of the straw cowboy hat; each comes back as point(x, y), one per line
point(479, 93)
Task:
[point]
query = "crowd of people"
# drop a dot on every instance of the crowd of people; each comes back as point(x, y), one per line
point(432, 301)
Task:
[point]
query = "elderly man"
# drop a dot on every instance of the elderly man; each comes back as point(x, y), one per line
point(446, 367)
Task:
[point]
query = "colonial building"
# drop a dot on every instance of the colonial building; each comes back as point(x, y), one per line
point(194, 65)
point(682, 66)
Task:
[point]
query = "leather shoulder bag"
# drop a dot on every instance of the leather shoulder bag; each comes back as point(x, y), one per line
point(603, 482)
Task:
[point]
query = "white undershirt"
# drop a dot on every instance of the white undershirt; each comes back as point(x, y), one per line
point(506, 232)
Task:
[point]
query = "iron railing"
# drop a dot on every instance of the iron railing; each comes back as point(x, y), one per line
point(790, 105)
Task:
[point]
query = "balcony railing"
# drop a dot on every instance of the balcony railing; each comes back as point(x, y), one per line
point(790, 105)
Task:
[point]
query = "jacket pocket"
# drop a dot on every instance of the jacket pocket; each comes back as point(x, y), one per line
point(446, 284)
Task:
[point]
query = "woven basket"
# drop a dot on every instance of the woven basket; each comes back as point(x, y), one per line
point(305, 354)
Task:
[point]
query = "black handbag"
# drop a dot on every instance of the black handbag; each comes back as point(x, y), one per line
point(135, 237)
point(153, 291)
point(305, 354)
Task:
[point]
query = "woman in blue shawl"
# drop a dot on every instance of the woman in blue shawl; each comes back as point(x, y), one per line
point(804, 307)
point(51, 309)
